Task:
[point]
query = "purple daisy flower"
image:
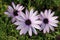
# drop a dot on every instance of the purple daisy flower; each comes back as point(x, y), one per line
point(13, 11)
point(48, 21)
point(28, 23)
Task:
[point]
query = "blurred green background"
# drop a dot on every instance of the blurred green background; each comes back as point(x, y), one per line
point(8, 30)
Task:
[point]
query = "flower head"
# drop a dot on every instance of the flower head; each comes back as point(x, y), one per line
point(28, 22)
point(13, 11)
point(48, 21)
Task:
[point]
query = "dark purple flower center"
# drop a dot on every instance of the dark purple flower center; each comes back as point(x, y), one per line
point(28, 22)
point(15, 13)
point(45, 21)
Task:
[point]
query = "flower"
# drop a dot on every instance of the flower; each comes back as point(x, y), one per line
point(48, 21)
point(13, 11)
point(28, 23)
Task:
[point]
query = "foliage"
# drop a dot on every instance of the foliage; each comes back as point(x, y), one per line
point(8, 30)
